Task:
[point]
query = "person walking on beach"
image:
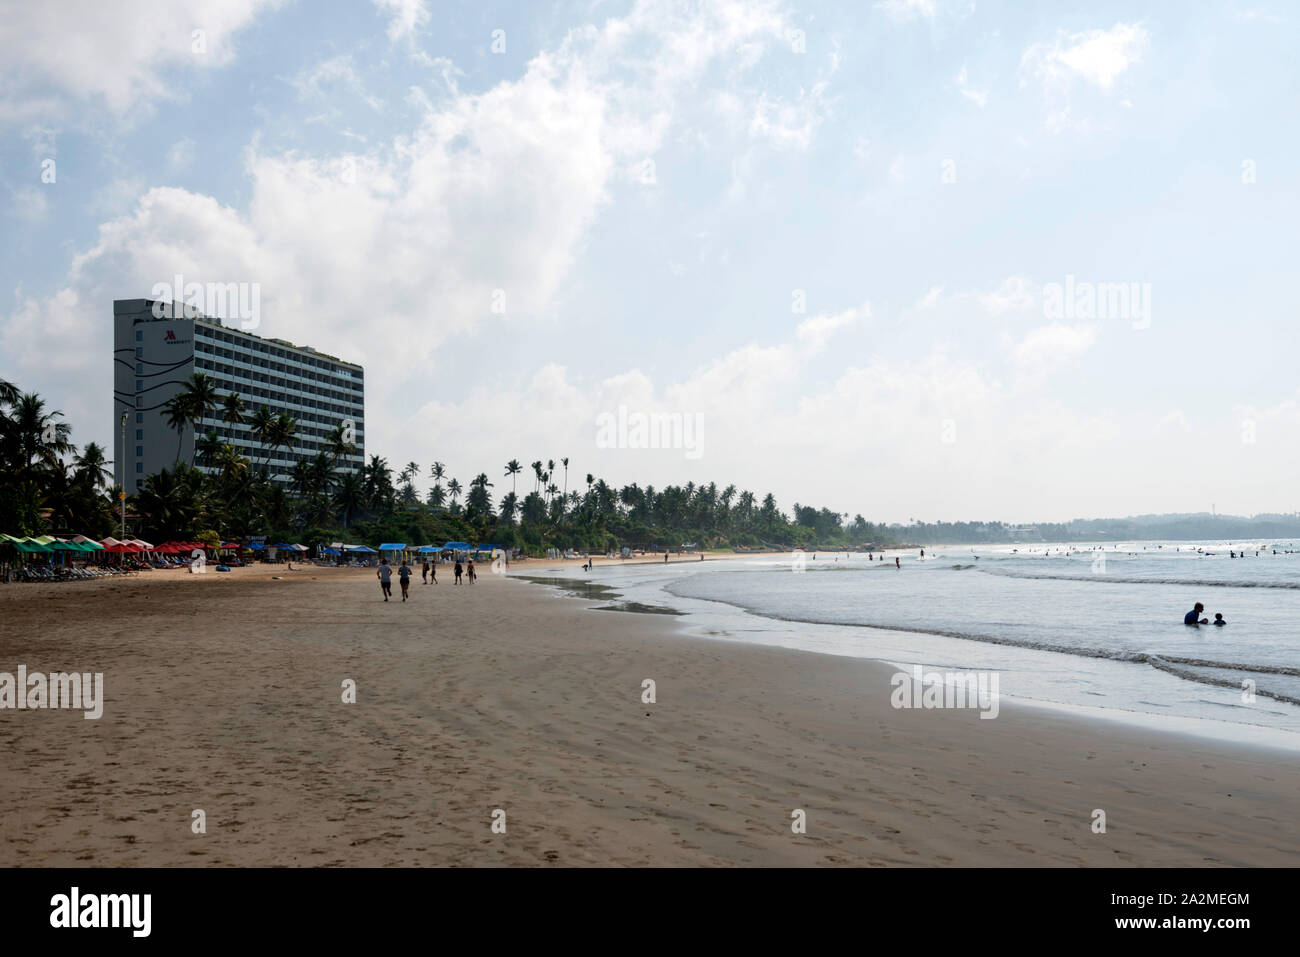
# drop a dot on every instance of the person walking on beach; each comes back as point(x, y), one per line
point(459, 570)
point(385, 575)
point(1193, 617)
point(469, 571)
point(424, 571)
point(433, 571)
point(404, 578)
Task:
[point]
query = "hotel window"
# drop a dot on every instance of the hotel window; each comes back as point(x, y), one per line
point(139, 368)
point(139, 435)
point(139, 337)
point(139, 352)
point(139, 417)
point(139, 450)
point(139, 384)
point(139, 467)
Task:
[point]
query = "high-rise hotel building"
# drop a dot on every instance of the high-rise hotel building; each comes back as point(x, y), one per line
point(153, 356)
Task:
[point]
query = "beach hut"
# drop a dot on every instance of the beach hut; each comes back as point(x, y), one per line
point(393, 551)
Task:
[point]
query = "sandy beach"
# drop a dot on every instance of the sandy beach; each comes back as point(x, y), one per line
point(223, 693)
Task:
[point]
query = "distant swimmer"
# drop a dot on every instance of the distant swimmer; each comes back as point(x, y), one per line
point(1193, 617)
point(923, 553)
point(897, 563)
point(1218, 619)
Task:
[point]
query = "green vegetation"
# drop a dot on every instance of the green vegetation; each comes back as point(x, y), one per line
point(46, 487)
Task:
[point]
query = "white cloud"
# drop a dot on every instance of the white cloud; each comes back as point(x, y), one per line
point(909, 9)
point(979, 97)
point(1014, 294)
point(1097, 56)
point(813, 333)
point(60, 61)
point(930, 299)
point(405, 16)
point(323, 82)
point(789, 125)
point(492, 191)
point(1050, 347)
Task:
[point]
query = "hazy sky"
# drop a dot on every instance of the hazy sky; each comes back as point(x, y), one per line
point(839, 236)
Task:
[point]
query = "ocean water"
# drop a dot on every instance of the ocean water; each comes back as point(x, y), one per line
point(1094, 629)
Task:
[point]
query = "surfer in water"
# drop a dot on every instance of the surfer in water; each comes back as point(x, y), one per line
point(1193, 617)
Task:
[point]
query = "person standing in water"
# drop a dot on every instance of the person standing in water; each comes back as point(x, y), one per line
point(897, 563)
point(1193, 617)
point(385, 575)
point(404, 579)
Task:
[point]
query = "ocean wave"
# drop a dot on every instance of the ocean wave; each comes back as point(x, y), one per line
point(1107, 578)
point(1166, 663)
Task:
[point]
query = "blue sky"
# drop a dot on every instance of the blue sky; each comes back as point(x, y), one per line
point(652, 187)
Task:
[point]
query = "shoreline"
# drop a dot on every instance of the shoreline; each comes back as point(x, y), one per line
point(496, 696)
point(1203, 730)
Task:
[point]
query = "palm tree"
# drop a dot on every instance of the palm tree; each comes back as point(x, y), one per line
point(436, 471)
point(513, 468)
point(201, 393)
point(209, 446)
point(232, 409)
point(453, 490)
point(437, 495)
point(378, 483)
point(349, 497)
point(178, 414)
point(36, 433)
point(478, 504)
point(92, 466)
point(565, 463)
point(337, 445)
point(231, 464)
point(262, 425)
point(282, 432)
point(537, 474)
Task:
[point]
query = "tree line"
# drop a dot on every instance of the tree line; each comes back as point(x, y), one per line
point(47, 487)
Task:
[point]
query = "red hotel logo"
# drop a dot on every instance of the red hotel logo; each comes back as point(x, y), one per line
point(171, 339)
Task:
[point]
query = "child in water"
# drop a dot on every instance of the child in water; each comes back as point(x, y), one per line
point(1218, 619)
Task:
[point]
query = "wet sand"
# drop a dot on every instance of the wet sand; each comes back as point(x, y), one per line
point(223, 693)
